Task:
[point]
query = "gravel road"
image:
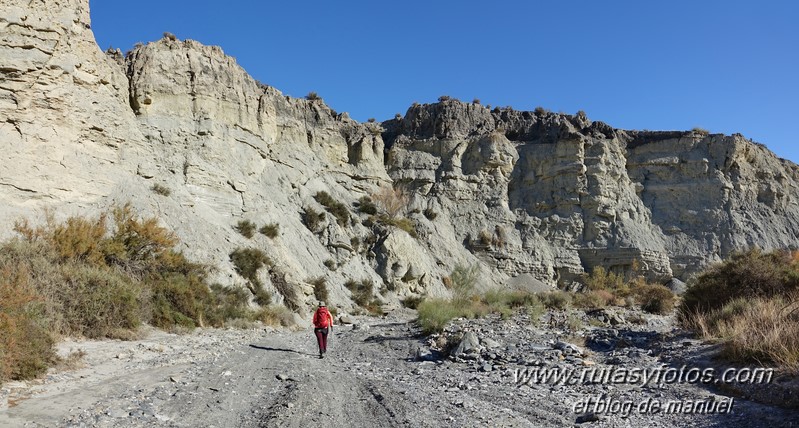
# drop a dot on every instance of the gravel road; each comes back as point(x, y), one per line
point(371, 376)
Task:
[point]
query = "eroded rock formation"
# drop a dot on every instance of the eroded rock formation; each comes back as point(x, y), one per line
point(519, 194)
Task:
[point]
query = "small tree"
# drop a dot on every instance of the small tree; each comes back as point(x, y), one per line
point(392, 200)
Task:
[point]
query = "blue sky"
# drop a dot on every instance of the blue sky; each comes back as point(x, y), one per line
point(726, 66)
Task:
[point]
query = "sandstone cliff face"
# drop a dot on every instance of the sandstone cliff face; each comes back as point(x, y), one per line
point(63, 106)
point(519, 194)
point(567, 194)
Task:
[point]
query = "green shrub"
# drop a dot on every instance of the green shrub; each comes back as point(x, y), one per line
point(749, 274)
point(89, 279)
point(593, 299)
point(26, 345)
point(560, 300)
point(247, 262)
point(412, 302)
point(404, 224)
point(99, 302)
point(246, 228)
point(464, 278)
point(655, 298)
point(603, 280)
point(230, 303)
point(320, 288)
point(339, 210)
point(275, 315)
point(271, 230)
point(313, 219)
point(181, 300)
point(362, 291)
point(366, 206)
point(535, 309)
point(749, 303)
point(434, 314)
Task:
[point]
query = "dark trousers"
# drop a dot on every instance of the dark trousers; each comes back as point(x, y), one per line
point(321, 339)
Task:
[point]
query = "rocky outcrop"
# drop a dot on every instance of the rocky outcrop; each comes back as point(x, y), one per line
point(64, 119)
point(556, 195)
point(535, 196)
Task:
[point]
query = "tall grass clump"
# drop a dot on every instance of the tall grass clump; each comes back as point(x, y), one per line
point(270, 230)
point(320, 288)
point(339, 210)
point(362, 293)
point(246, 228)
point(313, 219)
point(750, 304)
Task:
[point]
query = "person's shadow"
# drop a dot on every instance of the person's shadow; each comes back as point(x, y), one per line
point(266, 348)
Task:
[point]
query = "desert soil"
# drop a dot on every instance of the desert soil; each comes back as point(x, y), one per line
point(378, 372)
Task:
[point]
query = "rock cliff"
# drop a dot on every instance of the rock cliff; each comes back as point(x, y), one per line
point(533, 195)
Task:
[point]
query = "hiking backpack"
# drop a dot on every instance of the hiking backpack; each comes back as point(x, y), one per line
point(322, 318)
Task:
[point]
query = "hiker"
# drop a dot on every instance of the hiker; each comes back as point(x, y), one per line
point(322, 320)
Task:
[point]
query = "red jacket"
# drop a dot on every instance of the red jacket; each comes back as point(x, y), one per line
point(322, 318)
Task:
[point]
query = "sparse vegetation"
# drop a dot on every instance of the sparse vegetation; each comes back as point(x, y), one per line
point(286, 289)
point(366, 206)
point(246, 228)
point(484, 237)
point(363, 295)
point(313, 219)
point(391, 200)
point(270, 230)
point(609, 288)
point(313, 96)
point(86, 277)
point(412, 302)
point(247, 262)
point(434, 314)
point(430, 214)
point(443, 98)
point(161, 189)
point(701, 131)
point(339, 210)
point(558, 299)
point(274, 315)
point(330, 264)
point(540, 111)
point(750, 303)
point(476, 101)
point(464, 278)
point(655, 298)
point(400, 223)
point(319, 288)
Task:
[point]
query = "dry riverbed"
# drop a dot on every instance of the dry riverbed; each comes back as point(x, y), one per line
point(382, 372)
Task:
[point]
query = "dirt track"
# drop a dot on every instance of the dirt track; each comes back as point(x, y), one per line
point(256, 378)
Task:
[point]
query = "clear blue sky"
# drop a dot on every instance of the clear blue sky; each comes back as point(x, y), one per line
point(726, 66)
